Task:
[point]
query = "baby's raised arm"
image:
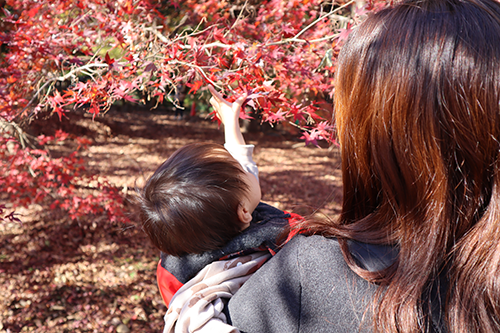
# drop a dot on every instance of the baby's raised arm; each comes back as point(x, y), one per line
point(229, 114)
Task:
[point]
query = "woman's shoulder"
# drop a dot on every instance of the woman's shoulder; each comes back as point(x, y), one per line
point(314, 257)
point(326, 279)
point(307, 285)
point(316, 247)
point(368, 256)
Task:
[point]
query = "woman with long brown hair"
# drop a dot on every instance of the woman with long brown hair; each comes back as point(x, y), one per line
point(417, 245)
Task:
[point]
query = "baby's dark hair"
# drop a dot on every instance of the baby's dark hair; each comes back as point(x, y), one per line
point(190, 204)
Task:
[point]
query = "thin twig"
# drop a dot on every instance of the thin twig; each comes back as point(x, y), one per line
point(157, 34)
point(298, 126)
point(51, 81)
point(237, 19)
point(80, 18)
point(32, 99)
point(210, 45)
point(202, 72)
point(79, 69)
point(323, 17)
point(323, 38)
point(296, 37)
point(172, 41)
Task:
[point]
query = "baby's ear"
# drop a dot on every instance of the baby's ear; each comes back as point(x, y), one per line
point(244, 215)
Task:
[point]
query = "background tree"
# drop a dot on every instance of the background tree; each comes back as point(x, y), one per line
point(65, 55)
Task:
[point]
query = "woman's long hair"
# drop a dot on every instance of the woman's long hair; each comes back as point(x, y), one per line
point(418, 117)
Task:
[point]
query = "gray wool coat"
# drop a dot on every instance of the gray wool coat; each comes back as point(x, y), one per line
point(308, 287)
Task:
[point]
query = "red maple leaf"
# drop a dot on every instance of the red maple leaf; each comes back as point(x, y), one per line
point(57, 99)
point(244, 115)
point(61, 135)
point(213, 115)
point(360, 11)
point(276, 117)
point(150, 67)
point(108, 60)
point(310, 138)
point(33, 11)
point(129, 98)
point(344, 33)
point(218, 35)
point(60, 112)
point(288, 30)
point(194, 86)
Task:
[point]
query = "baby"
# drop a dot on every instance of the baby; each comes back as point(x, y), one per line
point(203, 204)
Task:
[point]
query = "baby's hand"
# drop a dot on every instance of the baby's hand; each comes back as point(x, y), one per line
point(227, 112)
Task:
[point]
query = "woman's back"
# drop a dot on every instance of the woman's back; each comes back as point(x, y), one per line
point(418, 117)
point(299, 291)
point(317, 293)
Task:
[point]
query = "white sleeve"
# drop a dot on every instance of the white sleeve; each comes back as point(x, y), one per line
point(243, 154)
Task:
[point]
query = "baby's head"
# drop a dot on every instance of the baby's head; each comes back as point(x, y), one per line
point(197, 200)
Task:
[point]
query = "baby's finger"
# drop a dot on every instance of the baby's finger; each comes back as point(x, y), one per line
point(241, 99)
point(218, 97)
point(214, 103)
point(239, 102)
point(215, 93)
point(216, 107)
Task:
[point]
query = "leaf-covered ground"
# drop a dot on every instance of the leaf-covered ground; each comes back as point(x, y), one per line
point(91, 275)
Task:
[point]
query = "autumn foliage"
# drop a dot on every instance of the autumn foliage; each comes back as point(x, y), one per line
point(63, 55)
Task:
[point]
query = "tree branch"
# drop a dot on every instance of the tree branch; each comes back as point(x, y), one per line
point(237, 19)
point(296, 37)
point(199, 69)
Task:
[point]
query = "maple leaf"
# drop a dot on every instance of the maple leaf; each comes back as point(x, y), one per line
point(150, 67)
point(174, 3)
point(324, 126)
point(223, 63)
point(361, 11)
point(218, 35)
point(288, 30)
point(160, 96)
point(94, 109)
point(213, 115)
point(70, 96)
point(244, 115)
point(129, 98)
point(54, 205)
point(298, 113)
point(257, 57)
point(61, 135)
point(325, 131)
point(81, 86)
point(57, 99)
point(120, 91)
point(194, 86)
point(310, 138)
point(33, 11)
point(60, 112)
point(42, 139)
point(276, 117)
point(108, 60)
point(82, 142)
point(11, 79)
point(344, 33)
